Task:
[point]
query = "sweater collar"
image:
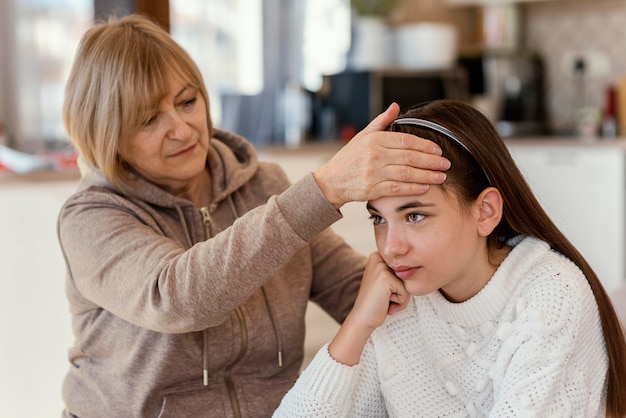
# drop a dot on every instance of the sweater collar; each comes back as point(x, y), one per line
point(487, 304)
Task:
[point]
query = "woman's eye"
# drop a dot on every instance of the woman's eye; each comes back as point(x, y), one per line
point(150, 121)
point(415, 217)
point(376, 220)
point(189, 102)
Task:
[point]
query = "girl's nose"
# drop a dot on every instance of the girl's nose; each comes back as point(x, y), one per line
point(394, 244)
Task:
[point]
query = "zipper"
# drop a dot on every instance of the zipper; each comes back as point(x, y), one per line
point(206, 220)
point(228, 375)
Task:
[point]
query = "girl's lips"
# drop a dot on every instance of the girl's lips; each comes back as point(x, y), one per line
point(404, 272)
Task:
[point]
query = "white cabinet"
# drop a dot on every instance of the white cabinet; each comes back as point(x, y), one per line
point(35, 327)
point(582, 187)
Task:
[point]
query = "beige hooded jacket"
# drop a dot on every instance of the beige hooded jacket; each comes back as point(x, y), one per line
point(181, 311)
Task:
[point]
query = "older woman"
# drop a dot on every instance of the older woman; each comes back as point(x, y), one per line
point(189, 262)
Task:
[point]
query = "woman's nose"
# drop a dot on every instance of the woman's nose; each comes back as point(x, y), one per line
point(177, 126)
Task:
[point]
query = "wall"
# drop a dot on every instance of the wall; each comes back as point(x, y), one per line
point(2, 54)
point(558, 28)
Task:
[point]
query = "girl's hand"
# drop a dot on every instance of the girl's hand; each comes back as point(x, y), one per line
point(381, 294)
point(377, 162)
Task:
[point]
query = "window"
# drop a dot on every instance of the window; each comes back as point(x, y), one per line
point(40, 37)
point(326, 40)
point(225, 39)
point(247, 67)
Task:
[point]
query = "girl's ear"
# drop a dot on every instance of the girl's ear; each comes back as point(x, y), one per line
point(489, 204)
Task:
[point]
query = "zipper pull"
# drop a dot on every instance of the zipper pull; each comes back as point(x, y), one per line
point(206, 220)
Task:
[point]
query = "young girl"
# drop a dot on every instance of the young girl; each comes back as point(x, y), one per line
point(475, 303)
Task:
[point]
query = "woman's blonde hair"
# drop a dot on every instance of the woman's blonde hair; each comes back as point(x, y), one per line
point(119, 76)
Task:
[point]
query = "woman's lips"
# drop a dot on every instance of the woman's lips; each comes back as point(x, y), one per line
point(184, 152)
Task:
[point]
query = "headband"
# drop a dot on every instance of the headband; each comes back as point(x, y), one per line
point(442, 130)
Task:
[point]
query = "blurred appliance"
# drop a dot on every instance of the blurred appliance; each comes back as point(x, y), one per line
point(512, 87)
point(356, 97)
point(425, 45)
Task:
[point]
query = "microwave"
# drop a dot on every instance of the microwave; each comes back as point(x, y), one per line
point(356, 97)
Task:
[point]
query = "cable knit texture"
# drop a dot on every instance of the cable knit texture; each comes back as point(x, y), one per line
point(529, 344)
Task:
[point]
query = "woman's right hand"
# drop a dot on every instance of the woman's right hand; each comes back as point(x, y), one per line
point(378, 163)
point(381, 294)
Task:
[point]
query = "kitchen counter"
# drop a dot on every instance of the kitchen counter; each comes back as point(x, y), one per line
point(45, 176)
point(321, 152)
point(559, 141)
point(328, 148)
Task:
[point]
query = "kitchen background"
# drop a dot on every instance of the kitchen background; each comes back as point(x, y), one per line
point(581, 181)
point(596, 28)
point(294, 44)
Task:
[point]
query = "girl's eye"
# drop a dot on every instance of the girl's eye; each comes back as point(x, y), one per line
point(415, 217)
point(376, 220)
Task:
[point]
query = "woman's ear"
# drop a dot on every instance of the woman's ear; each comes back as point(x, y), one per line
point(489, 204)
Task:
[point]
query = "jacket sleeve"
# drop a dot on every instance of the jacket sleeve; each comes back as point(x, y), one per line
point(337, 273)
point(125, 265)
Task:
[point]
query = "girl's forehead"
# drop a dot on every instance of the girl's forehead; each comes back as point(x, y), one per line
point(397, 203)
point(435, 197)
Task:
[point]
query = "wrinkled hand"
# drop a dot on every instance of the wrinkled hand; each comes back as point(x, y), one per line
point(381, 294)
point(378, 163)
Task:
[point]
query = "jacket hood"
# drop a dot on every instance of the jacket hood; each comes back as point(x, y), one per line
point(232, 161)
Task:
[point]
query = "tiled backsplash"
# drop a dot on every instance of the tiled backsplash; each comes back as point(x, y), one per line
point(559, 28)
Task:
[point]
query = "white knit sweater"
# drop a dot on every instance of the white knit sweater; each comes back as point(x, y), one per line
point(529, 344)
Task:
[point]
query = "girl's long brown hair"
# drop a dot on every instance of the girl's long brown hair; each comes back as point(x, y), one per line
point(493, 165)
